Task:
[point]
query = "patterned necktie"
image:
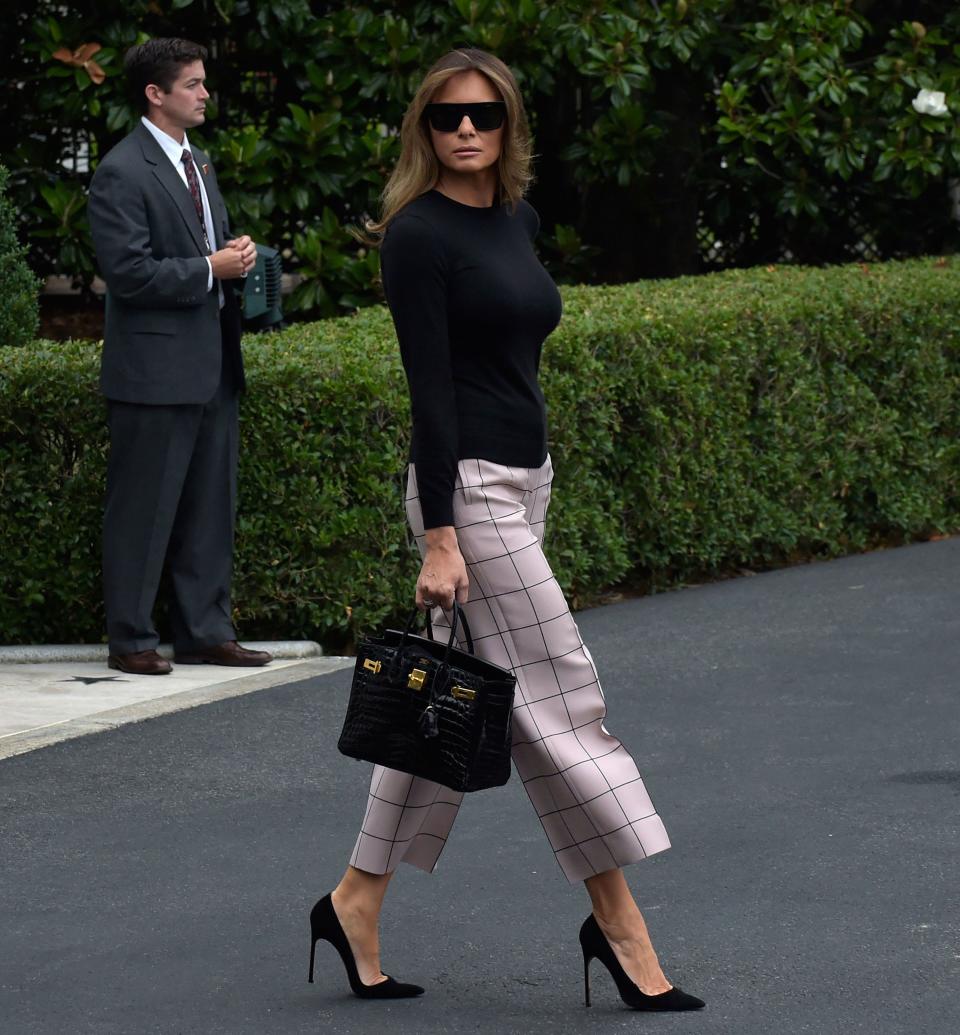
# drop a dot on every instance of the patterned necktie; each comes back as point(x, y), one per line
point(194, 184)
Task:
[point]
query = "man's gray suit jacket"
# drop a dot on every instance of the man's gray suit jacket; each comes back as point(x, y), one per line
point(163, 342)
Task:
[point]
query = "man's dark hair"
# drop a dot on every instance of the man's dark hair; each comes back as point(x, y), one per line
point(158, 61)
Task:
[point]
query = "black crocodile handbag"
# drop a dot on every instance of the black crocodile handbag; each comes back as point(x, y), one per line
point(428, 708)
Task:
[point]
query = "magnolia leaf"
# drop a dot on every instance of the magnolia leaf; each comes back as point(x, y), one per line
point(96, 73)
point(86, 51)
point(81, 58)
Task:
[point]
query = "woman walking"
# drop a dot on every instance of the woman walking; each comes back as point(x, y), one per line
point(472, 305)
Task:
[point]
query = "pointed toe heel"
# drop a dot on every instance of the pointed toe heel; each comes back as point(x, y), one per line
point(325, 925)
point(594, 944)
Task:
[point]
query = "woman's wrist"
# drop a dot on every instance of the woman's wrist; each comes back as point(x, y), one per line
point(442, 539)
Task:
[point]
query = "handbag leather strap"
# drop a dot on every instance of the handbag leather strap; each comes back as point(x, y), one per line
point(458, 618)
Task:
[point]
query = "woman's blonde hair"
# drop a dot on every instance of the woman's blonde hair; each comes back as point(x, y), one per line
point(417, 167)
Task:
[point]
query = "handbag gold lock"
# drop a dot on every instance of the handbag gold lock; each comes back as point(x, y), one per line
point(417, 676)
point(371, 666)
point(463, 693)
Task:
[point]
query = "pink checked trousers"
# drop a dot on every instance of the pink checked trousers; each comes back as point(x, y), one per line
point(583, 783)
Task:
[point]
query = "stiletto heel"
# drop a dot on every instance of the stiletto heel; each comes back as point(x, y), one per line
point(594, 945)
point(325, 924)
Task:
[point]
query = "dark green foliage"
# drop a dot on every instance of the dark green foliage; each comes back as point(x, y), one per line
point(747, 418)
point(670, 137)
point(19, 314)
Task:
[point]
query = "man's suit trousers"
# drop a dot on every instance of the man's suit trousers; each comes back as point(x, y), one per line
point(582, 782)
point(171, 493)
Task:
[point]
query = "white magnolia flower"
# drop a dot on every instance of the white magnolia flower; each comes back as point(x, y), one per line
point(930, 102)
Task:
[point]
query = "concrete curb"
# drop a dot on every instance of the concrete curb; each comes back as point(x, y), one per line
point(282, 650)
point(30, 740)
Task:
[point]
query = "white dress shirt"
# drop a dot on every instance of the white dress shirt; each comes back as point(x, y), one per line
point(174, 152)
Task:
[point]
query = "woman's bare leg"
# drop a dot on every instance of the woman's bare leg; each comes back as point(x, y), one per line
point(619, 917)
point(357, 901)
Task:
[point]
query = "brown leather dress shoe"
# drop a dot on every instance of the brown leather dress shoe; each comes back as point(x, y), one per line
point(230, 653)
point(141, 663)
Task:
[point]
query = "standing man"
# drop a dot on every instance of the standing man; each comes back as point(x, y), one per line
point(171, 372)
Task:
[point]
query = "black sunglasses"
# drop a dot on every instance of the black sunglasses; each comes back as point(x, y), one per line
point(486, 115)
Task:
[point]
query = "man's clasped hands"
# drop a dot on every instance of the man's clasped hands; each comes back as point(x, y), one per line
point(236, 259)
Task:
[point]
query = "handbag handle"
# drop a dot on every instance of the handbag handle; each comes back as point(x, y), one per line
point(458, 617)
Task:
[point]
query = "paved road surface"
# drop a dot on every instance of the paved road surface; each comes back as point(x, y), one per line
point(798, 731)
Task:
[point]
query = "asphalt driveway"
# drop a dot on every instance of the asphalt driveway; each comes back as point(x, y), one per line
point(799, 732)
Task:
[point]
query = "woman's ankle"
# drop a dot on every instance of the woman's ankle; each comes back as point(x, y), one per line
point(357, 912)
point(351, 906)
point(361, 892)
point(621, 924)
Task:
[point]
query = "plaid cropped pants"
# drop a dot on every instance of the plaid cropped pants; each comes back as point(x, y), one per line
point(582, 781)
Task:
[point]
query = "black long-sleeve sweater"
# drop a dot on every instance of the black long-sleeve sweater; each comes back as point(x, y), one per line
point(472, 305)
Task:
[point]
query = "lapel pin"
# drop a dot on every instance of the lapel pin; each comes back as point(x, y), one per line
point(205, 168)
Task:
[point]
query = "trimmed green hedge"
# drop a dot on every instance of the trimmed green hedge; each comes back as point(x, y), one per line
point(748, 418)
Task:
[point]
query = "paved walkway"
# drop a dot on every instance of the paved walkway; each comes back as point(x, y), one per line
point(798, 731)
point(44, 702)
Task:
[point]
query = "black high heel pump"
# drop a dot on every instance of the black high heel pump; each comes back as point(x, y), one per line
point(325, 924)
point(595, 946)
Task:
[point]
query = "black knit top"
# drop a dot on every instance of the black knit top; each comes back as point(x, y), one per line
point(472, 305)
